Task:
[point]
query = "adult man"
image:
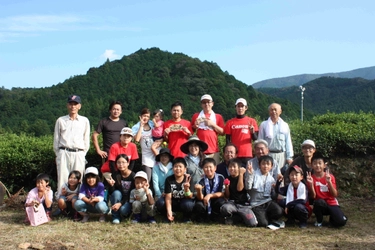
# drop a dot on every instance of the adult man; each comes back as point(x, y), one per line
point(111, 127)
point(241, 131)
point(71, 141)
point(277, 134)
point(208, 125)
point(261, 148)
point(177, 130)
point(230, 152)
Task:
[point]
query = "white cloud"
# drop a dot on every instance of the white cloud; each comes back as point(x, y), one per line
point(110, 54)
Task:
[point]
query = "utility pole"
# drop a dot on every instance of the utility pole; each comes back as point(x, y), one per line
point(302, 90)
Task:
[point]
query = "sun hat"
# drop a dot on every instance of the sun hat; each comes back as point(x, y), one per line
point(308, 142)
point(193, 139)
point(241, 100)
point(164, 151)
point(92, 170)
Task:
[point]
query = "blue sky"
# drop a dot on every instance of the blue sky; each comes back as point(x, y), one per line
point(42, 43)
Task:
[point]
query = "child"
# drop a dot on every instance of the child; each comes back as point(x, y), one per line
point(236, 195)
point(69, 193)
point(140, 197)
point(322, 187)
point(161, 170)
point(41, 194)
point(120, 187)
point(260, 183)
point(297, 199)
point(210, 193)
point(157, 131)
point(91, 196)
point(178, 196)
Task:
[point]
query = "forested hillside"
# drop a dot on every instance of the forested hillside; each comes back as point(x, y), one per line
point(147, 78)
point(297, 80)
point(331, 94)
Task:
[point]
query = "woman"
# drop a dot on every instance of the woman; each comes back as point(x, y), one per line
point(142, 134)
point(194, 149)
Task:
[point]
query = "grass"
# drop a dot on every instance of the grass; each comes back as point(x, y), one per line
point(359, 233)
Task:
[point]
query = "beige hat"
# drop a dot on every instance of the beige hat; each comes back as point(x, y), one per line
point(141, 174)
point(241, 100)
point(206, 97)
point(126, 131)
point(308, 142)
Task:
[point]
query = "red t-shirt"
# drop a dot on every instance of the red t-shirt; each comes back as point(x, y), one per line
point(207, 135)
point(238, 129)
point(177, 137)
point(322, 190)
point(115, 150)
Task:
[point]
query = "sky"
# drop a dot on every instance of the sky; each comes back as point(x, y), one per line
point(43, 43)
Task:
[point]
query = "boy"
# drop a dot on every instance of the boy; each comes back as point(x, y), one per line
point(259, 184)
point(210, 193)
point(142, 196)
point(297, 199)
point(178, 196)
point(322, 187)
point(236, 194)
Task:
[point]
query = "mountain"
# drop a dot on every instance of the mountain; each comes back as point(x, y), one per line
point(147, 78)
point(331, 94)
point(297, 80)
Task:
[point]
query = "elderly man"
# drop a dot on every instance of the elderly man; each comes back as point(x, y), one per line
point(71, 142)
point(261, 148)
point(230, 152)
point(208, 125)
point(277, 134)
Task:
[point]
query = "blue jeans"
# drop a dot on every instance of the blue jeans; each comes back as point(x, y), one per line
point(99, 208)
point(124, 210)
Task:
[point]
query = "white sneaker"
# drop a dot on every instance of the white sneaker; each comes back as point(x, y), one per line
point(318, 224)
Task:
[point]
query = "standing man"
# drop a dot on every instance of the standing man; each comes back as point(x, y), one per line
point(241, 131)
point(71, 142)
point(110, 127)
point(177, 130)
point(208, 125)
point(277, 134)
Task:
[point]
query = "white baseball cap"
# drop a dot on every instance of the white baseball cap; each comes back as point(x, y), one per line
point(241, 100)
point(206, 97)
point(126, 131)
point(92, 170)
point(141, 174)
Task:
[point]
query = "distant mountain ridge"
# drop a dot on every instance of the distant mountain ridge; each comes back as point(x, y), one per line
point(297, 80)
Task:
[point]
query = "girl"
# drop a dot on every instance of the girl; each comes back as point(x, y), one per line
point(120, 187)
point(142, 133)
point(41, 194)
point(161, 170)
point(69, 193)
point(157, 131)
point(91, 196)
point(194, 149)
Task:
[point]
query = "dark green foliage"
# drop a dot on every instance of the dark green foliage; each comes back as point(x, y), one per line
point(147, 78)
point(329, 94)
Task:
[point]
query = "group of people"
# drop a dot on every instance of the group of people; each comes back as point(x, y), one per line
point(186, 175)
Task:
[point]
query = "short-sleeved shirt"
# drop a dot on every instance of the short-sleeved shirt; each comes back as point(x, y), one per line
point(173, 187)
point(239, 197)
point(111, 131)
point(209, 136)
point(177, 137)
point(211, 183)
point(238, 129)
point(322, 190)
point(124, 185)
point(115, 150)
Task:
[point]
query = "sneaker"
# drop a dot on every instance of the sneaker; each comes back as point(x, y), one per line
point(85, 218)
point(77, 216)
point(116, 221)
point(102, 218)
point(317, 224)
point(151, 220)
point(303, 224)
point(137, 218)
point(56, 213)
